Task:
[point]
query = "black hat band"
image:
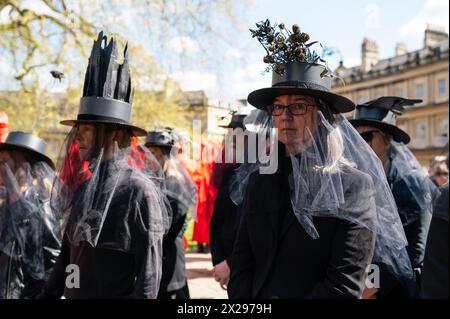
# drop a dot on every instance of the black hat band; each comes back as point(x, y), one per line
point(99, 108)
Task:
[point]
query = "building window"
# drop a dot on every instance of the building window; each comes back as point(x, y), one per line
point(362, 99)
point(420, 136)
point(380, 94)
point(442, 84)
point(420, 91)
point(443, 131)
point(399, 92)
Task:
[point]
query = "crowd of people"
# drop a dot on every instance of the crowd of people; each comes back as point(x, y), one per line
point(348, 212)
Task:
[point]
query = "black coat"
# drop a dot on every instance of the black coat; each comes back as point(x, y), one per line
point(274, 257)
point(20, 276)
point(224, 222)
point(415, 219)
point(127, 260)
point(416, 222)
point(174, 263)
point(435, 269)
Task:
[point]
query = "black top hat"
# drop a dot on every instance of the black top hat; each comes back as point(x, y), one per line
point(27, 142)
point(381, 113)
point(301, 78)
point(237, 121)
point(107, 94)
point(160, 138)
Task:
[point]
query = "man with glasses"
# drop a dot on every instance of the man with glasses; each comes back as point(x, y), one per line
point(412, 190)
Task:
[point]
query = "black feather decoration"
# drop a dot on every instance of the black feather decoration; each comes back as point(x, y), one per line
point(105, 77)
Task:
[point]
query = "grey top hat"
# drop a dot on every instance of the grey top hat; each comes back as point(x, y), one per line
point(107, 93)
point(295, 68)
point(301, 78)
point(381, 113)
point(27, 142)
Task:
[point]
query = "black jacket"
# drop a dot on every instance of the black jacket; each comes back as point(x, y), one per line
point(31, 249)
point(224, 222)
point(415, 219)
point(174, 264)
point(416, 222)
point(127, 261)
point(274, 257)
point(435, 269)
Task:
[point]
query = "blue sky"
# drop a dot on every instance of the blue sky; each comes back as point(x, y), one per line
point(344, 23)
point(341, 24)
point(237, 68)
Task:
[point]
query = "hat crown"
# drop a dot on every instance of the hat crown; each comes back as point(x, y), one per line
point(27, 140)
point(159, 138)
point(302, 74)
point(384, 109)
point(107, 91)
point(105, 77)
point(372, 113)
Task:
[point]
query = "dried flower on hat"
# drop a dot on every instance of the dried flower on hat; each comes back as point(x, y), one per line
point(283, 46)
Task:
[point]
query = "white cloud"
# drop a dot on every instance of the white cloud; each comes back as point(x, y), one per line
point(183, 45)
point(5, 73)
point(434, 12)
point(248, 79)
point(37, 6)
point(233, 53)
point(351, 62)
point(194, 80)
point(4, 15)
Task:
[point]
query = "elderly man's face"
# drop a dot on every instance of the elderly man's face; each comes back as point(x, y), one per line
point(376, 139)
point(294, 128)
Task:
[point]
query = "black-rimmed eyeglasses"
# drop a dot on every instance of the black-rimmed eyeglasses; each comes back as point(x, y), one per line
point(294, 109)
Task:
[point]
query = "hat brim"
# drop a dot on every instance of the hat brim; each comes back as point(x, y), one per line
point(44, 157)
point(136, 131)
point(263, 97)
point(232, 126)
point(170, 147)
point(397, 134)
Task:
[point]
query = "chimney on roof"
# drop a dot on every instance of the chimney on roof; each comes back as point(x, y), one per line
point(434, 35)
point(400, 49)
point(369, 51)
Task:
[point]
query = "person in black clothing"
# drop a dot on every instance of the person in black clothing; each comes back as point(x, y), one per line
point(30, 236)
point(412, 189)
point(308, 224)
point(116, 212)
point(181, 193)
point(225, 218)
point(435, 265)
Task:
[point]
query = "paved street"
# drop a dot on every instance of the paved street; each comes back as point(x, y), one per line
point(200, 280)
